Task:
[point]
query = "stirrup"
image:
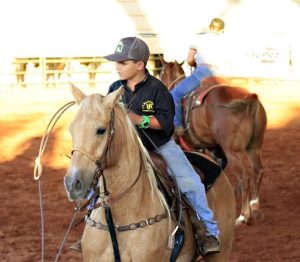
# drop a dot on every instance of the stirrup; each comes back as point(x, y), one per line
point(76, 247)
point(210, 245)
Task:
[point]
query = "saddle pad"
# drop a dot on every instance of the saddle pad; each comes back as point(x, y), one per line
point(210, 170)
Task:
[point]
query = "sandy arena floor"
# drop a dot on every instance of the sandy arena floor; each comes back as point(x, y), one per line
point(24, 115)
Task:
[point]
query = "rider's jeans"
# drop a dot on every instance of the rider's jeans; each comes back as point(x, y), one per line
point(188, 182)
point(186, 86)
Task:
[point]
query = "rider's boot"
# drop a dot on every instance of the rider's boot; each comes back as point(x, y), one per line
point(76, 247)
point(207, 243)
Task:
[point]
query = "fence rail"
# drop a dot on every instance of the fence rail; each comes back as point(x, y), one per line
point(54, 71)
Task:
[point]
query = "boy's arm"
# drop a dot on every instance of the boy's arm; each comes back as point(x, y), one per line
point(137, 120)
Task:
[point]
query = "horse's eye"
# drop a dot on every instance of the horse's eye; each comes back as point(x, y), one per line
point(100, 131)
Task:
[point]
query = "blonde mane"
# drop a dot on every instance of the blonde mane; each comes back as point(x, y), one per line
point(145, 157)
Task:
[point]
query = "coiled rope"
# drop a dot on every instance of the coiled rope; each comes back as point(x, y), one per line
point(37, 172)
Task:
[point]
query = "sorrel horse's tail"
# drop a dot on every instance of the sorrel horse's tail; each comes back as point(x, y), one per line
point(251, 106)
point(259, 126)
point(248, 103)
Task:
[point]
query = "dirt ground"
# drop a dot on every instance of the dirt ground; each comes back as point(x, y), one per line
point(24, 116)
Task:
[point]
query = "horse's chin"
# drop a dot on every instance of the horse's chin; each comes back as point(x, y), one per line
point(77, 196)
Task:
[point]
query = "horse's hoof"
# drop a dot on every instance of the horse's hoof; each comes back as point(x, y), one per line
point(241, 220)
point(257, 216)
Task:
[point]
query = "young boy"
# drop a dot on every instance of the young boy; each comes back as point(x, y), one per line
point(151, 110)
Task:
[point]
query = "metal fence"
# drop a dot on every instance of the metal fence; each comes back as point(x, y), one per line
point(56, 71)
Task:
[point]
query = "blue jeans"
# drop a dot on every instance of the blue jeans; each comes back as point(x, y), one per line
point(185, 87)
point(188, 182)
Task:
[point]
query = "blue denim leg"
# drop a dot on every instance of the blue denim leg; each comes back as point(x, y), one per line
point(188, 182)
point(185, 87)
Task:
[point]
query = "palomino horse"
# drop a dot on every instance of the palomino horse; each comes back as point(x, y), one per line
point(105, 145)
point(232, 118)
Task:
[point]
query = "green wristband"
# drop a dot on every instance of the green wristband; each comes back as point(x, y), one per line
point(146, 122)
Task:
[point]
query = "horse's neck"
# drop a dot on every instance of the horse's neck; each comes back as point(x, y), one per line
point(139, 198)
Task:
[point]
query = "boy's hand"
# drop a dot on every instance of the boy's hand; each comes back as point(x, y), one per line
point(135, 119)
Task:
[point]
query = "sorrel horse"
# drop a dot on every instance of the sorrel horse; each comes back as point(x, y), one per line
point(232, 118)
point(106, 143)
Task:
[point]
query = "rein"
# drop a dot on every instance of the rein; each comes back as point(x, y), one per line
point(107, 202)
point(100, 167)
point(175, 81)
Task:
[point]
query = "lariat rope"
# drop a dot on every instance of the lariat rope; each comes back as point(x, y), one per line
point(37, 172)
point(38, 166)
point(77, 209)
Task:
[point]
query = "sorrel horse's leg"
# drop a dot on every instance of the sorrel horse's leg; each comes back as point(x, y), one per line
point(237, 165)
point(254, 151)
point(246, 189)
point(257, 169)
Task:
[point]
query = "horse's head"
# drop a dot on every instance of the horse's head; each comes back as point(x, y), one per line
point(91, 130)
point(172, 73)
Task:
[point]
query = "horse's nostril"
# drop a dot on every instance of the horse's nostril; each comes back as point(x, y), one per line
point(78, 185)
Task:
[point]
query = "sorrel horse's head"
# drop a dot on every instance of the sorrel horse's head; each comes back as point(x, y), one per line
point(232, 118)
point(105, 140)
point(172, 73)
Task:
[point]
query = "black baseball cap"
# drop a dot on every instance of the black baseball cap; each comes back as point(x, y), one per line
point(130, 48)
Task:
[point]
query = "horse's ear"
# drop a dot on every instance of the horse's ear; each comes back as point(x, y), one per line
point(180, 64)
point(77, 93)
point(113, 97)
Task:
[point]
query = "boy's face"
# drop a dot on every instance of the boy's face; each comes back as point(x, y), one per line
point(128, 69)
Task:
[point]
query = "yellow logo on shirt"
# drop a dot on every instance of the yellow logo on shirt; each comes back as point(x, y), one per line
point(148, 106)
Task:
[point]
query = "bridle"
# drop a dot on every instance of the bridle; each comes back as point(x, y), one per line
point(174, 82)
point(101, 165)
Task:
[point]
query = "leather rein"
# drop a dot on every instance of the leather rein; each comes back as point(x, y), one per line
point(174, 82)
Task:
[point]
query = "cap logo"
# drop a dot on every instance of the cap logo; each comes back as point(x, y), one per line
point(119, 47)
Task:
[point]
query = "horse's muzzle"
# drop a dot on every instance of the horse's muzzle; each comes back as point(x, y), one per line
point(74, 187)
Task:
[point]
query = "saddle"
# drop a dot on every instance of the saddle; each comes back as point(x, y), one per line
point(208, 171)
point(197, 97)
point(191, 101)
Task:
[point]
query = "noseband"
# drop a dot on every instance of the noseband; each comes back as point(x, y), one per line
point(100, 163)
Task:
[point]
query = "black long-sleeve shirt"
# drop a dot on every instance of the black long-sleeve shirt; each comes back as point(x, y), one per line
point(150, 98)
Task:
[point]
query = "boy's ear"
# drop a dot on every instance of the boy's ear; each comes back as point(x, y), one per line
point(141, 65)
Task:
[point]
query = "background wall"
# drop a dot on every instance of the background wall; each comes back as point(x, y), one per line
point(261, 32)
